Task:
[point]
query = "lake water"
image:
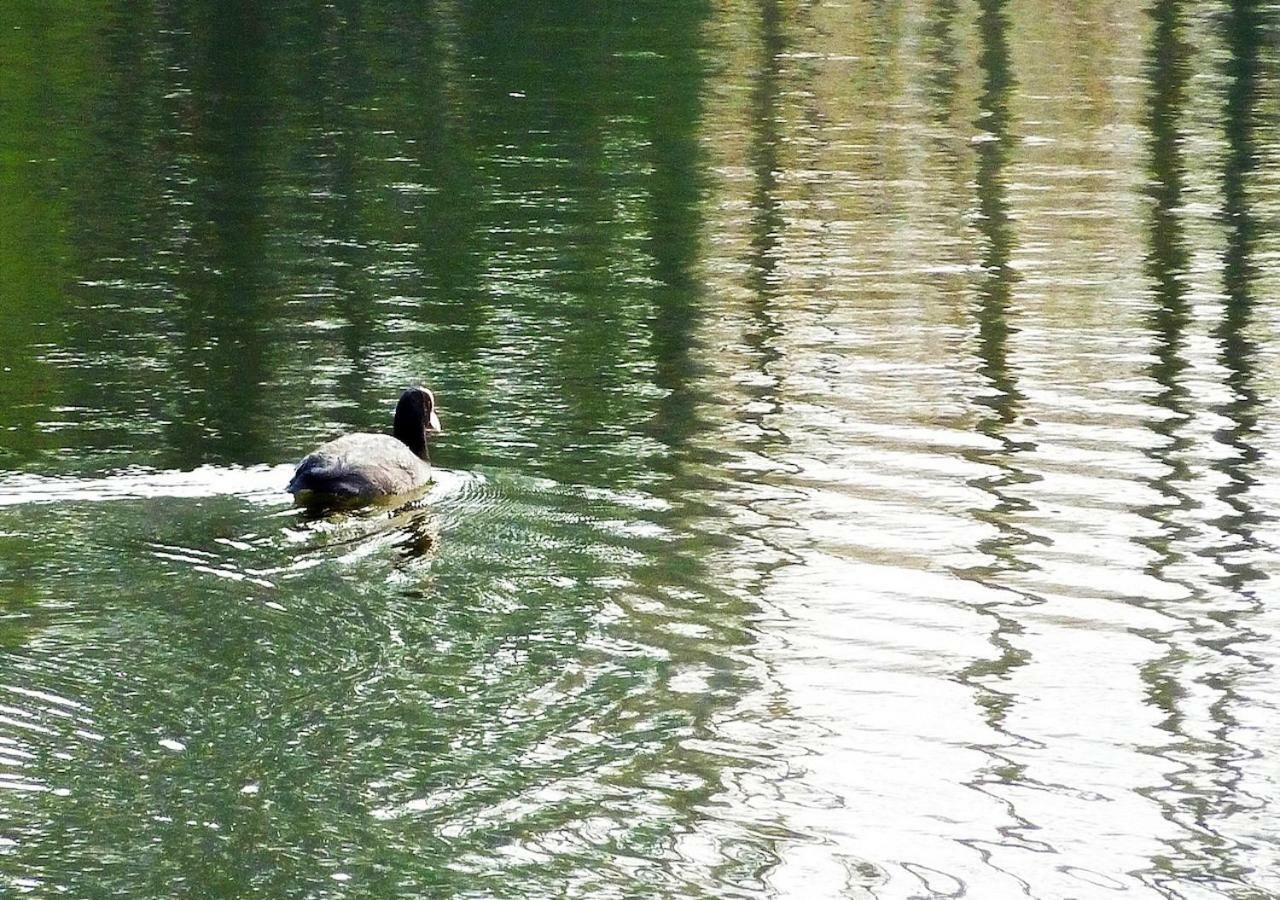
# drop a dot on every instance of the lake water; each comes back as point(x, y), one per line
point(862, 461)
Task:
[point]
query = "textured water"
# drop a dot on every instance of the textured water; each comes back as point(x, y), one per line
point(860, 475)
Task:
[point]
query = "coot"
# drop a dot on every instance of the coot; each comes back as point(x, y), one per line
point(357, 468)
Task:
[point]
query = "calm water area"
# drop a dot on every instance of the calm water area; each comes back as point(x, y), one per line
point(861, 469)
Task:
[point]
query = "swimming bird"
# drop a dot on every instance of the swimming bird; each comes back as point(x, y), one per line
point(357, 468)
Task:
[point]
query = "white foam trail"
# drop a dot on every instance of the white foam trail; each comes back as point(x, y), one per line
point(259, 483)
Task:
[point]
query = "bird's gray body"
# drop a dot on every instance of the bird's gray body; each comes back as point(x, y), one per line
point(358, 467)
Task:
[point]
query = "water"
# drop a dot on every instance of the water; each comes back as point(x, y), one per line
point(860, 476)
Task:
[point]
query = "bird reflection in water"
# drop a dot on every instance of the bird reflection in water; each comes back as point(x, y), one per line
point(410, 528)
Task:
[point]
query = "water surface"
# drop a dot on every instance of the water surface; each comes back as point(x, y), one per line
point(860, 476)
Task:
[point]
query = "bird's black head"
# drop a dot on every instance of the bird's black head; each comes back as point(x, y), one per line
point(415, 419)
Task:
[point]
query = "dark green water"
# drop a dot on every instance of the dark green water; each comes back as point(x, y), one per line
point(860, 473)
